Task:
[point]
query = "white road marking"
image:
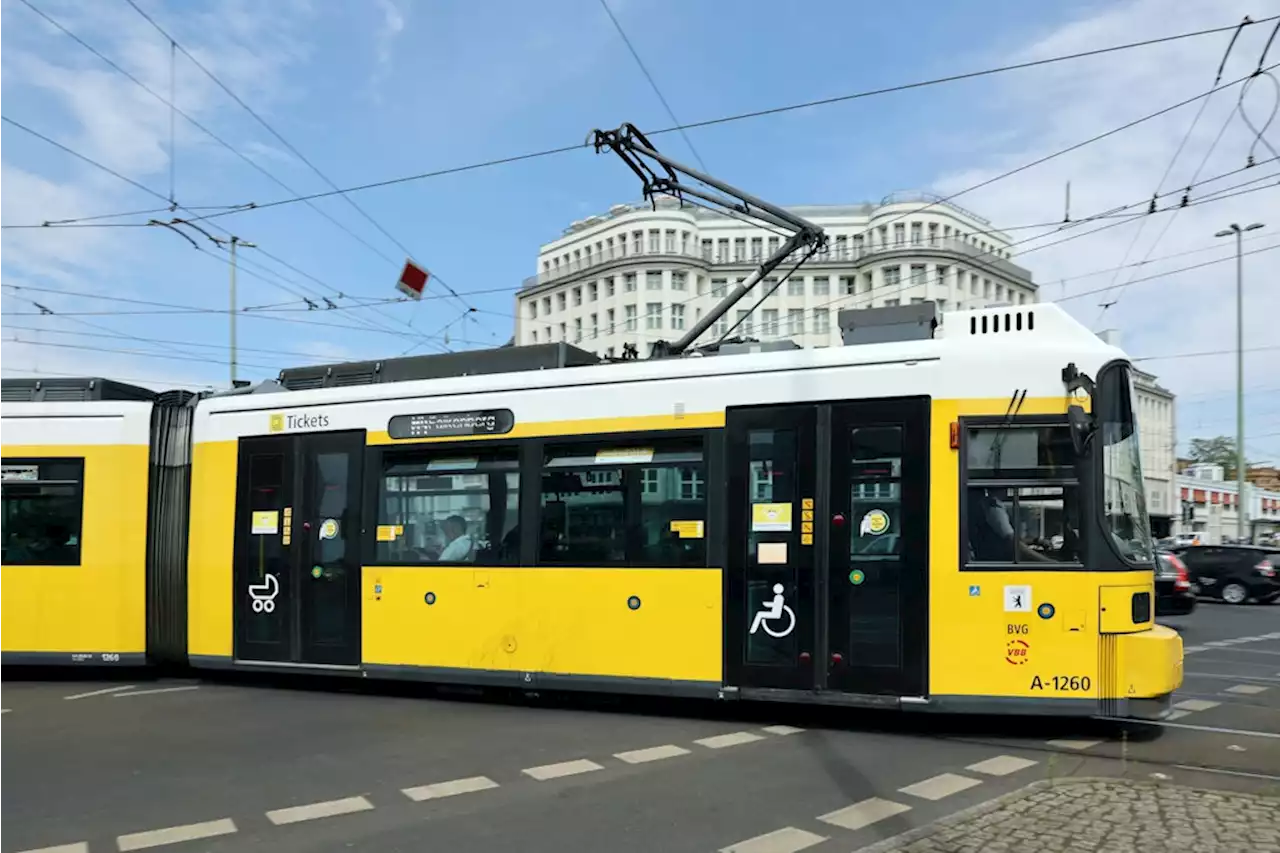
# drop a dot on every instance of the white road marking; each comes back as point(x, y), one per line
point(653, 753)
point(5, 710)
point(1073, 744)
point(1250, 651)
point(1189, 649)
point(330, 808)
point(1177, 715)
point(1002, 765)
point(564, 768)
point(1247, 689)
point(786, 840)
point(1217, 643)
point(1195, 705)
point(864, 813)
point(731, 739)
point(942, 785)
point(174, 834)
point(1234, 677)
point(782, 730)
point(1189, 727)
point(439, 790)
point(78, 847)
point(101, 692)
point(157, 690)
point(1227, 772)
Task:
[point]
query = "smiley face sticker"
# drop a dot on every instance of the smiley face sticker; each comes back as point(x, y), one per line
point(874, 522)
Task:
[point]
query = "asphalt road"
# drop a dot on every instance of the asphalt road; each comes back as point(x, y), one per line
point(256, 767)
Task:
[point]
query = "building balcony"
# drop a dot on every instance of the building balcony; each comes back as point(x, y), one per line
point(948, 247)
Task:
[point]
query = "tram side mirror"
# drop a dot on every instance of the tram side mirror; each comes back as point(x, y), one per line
point(1081, 427)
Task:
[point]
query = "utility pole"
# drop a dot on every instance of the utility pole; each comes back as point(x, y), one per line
point(1238, 232)
point(232, 243)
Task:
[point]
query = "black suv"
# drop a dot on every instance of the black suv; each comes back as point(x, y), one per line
point(1234, 573)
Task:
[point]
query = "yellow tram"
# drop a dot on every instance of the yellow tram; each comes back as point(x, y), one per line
point(948, 520)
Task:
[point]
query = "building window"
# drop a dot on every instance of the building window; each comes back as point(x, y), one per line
point(757, 248)
point(795, 321)
point(677, 317)
point(653, 280)
point(564, 332)
point(535, 336)
point(561, 300)
point(892, 302)
point(609, 286)
point(609, 321)
point(679, 281)
point(701, 284)
point(848, 284)
point(1022, 502)
point(859, 243)
point(842, 247)
point(722, 251)
point(946, 231)
point(918, 274)
point(892, 276)
point(593, 291)
point(546, 305)
point(706, 250)
point(986, 288)
point(821, 285)
point(43, 502)
point(916, 236)
point(653, 315)
point(933, 233)
point(655, 241)
point(795, 285)
point(629, 312)
point(973, 284)
point(547, 333)
point(744, 324)
point(577, 330)
point(577, 296)
point(670, 242)
point(769, 322)
point(868, 280)
point(616, 505)
point(450, 508)
point(740, 249)
point(899, 234)
point(916, 300)
point(629, 282)
point(595, 325)
point(533, 309)
point(822, 322)
point(719, 286)
point(943, 273)
point(774, 245)
point(637, 242)
point(721, 326)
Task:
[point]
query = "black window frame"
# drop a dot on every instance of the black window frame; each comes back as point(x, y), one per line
point(539, 452)
point(78, 466)
point(964, 425)
point(385, 458)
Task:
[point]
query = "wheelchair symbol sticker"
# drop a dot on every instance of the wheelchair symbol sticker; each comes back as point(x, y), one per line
point(773, 610)
point(263, 595)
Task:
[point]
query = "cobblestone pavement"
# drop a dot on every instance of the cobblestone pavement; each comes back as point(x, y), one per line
point(1103, 816)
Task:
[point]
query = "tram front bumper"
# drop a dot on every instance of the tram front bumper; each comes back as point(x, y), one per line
point(1149, 671)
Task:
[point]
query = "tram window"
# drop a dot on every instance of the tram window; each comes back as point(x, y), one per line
point(43, 503)
point(449, 508)
point(1021, 452)
point(621, 504)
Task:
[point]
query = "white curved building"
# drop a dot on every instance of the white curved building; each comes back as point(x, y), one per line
point(637, 275)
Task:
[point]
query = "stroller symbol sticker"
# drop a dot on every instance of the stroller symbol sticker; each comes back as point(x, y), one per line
point(263, 595)
point(773, 609)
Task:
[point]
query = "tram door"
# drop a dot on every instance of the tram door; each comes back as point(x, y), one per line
point(828, 547)
point(297, 551)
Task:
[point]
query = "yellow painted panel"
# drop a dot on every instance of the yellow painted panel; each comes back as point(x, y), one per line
point(210, 549)
point(567, 621)
point(977, 648)
point(1150, 662)
point(1115, 607)
point(586, 426)
point(100, 605)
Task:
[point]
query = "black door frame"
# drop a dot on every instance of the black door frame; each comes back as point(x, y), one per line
point(821, 430)
point(299, 523)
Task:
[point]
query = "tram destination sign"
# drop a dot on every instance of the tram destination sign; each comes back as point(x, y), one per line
point(445, 424)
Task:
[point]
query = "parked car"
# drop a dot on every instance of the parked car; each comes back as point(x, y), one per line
point(1233, 573)
point(1174, 593)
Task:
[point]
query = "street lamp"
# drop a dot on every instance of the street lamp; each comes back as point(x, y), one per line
point(1235, 229)
point(233, 242)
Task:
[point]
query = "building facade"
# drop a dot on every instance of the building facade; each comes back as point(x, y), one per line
point(1211, 505)
point(637, 275)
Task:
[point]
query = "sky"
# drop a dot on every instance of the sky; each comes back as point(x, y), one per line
point(380, 89)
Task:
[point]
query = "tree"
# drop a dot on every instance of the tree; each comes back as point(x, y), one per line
point(1217, 451)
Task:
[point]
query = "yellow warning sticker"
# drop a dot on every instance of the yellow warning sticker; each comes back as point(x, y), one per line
point(806, 503)
point(771, 518)
point(690, 529)
point(806, 538)
point(386, 532)
point(265, 523)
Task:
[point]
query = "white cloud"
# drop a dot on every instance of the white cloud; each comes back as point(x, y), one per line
point(1062, 104)
point(388, 32)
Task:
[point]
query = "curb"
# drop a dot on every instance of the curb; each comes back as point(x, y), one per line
point(911, 836)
